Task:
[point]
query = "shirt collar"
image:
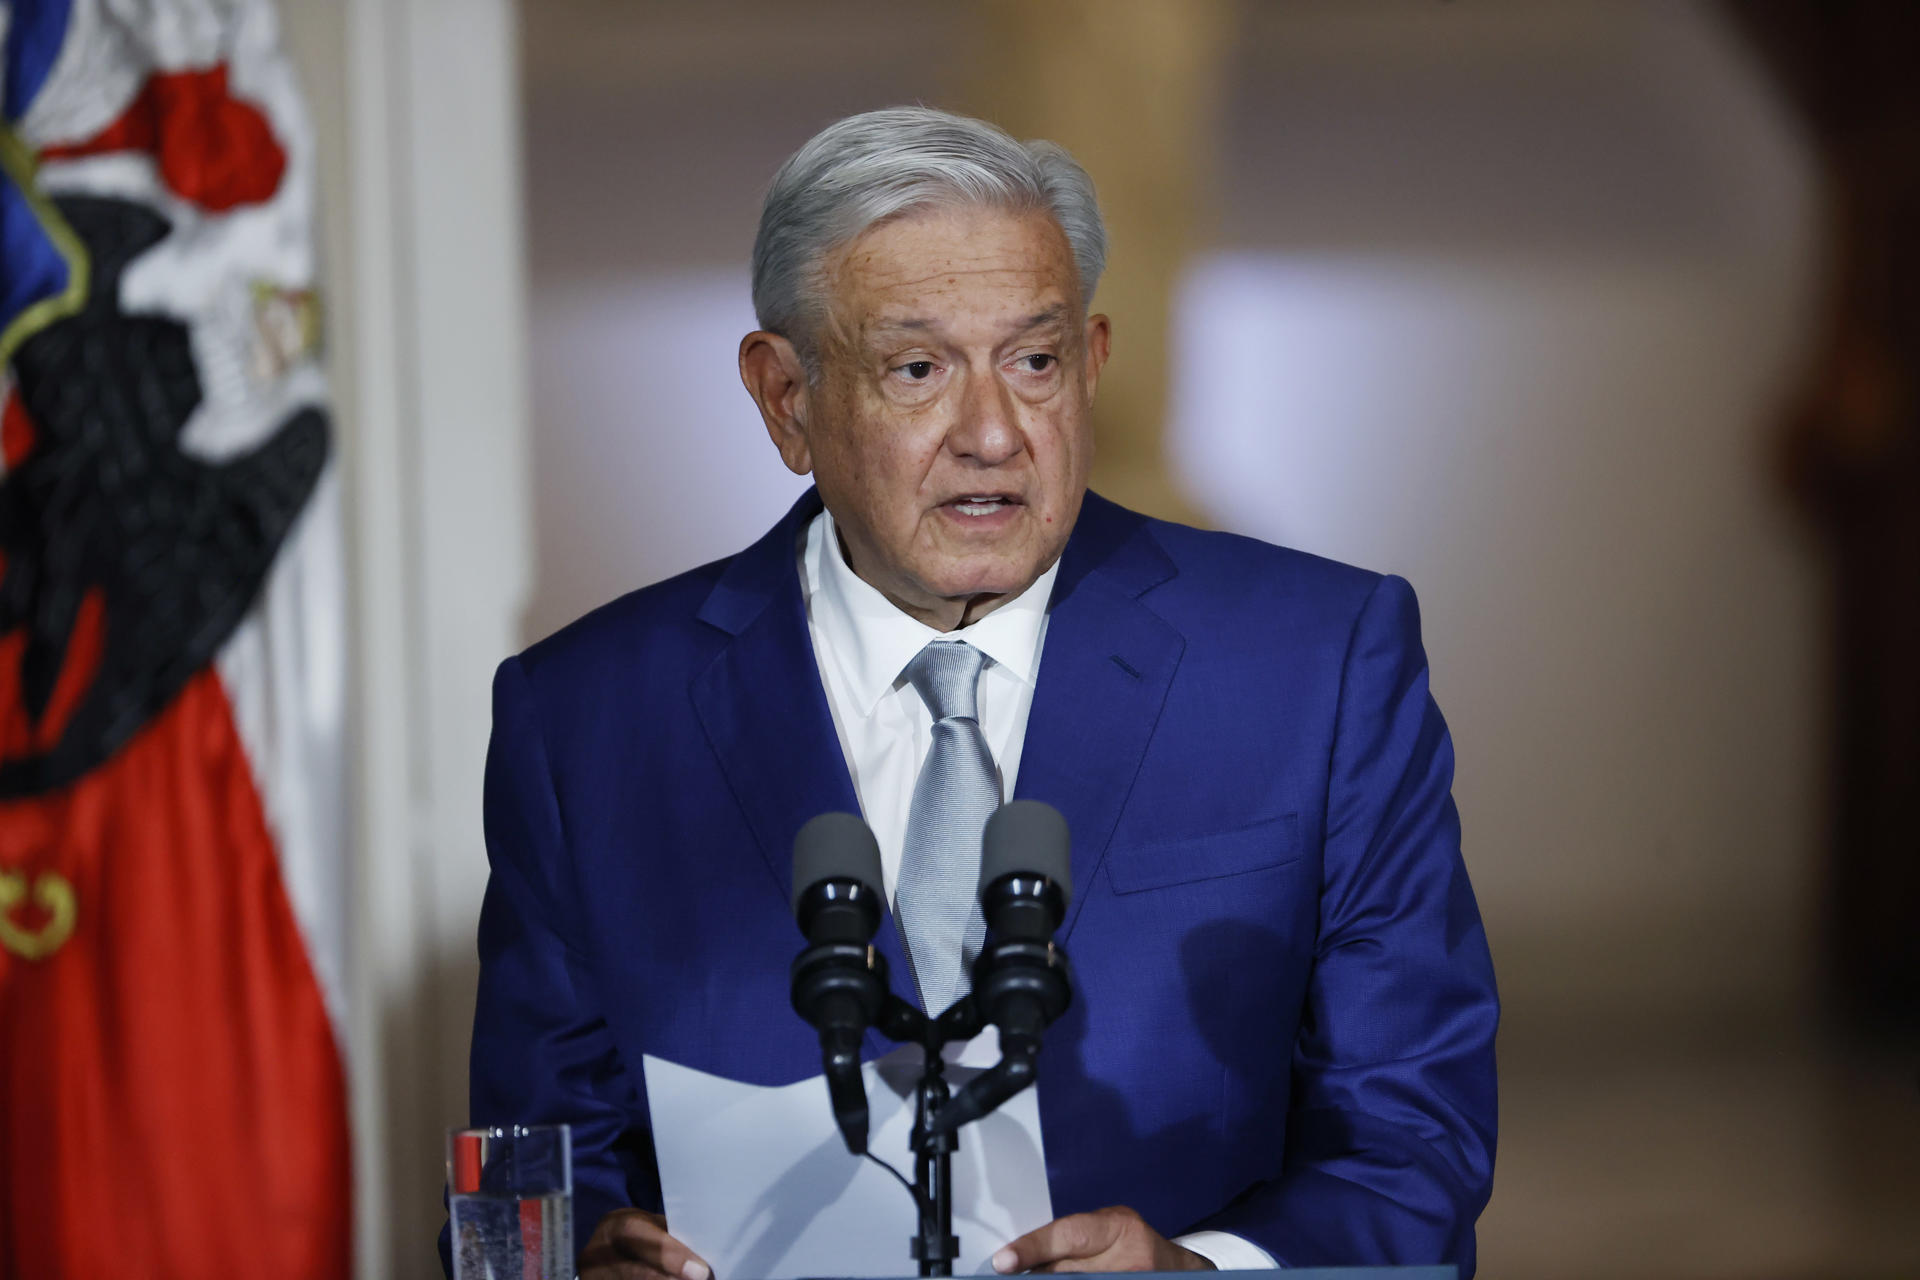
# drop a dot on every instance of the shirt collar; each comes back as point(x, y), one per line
point(874, 641)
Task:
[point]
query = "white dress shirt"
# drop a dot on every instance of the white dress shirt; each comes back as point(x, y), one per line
point(863, 644)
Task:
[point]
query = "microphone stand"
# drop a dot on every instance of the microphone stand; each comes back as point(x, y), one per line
point(840, 986)
point(935, 1248)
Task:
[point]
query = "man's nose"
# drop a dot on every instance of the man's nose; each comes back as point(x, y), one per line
point(988, 428)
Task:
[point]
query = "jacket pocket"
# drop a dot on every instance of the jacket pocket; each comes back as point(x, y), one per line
point(1271, 842)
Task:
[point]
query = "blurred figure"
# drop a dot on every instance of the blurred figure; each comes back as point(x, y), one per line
point(1853, 456)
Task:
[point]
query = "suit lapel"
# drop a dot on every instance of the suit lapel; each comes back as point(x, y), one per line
point(1104, 674)
point(764, 710)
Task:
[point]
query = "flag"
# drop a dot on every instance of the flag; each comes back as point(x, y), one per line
point(172, 1091)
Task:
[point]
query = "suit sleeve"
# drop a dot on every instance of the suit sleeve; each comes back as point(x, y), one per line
point(542, 1052)
point(1390, 1135)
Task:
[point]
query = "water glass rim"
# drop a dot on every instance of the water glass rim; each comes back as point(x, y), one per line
point(534, 1159)
point(508, 1130)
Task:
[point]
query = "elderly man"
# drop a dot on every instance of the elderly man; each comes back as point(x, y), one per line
point(1282, 1047)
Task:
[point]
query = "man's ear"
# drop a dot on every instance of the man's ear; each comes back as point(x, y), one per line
point(777, 381)
point(1099, 342)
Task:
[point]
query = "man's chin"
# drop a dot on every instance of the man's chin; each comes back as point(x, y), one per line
point(999, 583)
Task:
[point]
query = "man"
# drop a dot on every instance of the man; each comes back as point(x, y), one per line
point(1281, 1050)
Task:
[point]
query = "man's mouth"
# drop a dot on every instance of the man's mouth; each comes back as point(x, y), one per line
point(985, 504)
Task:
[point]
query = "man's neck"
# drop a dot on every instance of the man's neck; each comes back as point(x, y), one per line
point(946, 615)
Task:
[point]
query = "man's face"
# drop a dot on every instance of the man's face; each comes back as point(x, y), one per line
point(949, 430)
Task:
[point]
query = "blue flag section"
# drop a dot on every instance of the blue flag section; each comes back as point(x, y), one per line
point(44, 268)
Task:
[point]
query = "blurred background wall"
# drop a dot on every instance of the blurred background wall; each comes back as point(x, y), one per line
point(1508, 298)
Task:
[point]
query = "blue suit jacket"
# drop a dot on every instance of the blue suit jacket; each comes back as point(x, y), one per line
point(1284, 1013)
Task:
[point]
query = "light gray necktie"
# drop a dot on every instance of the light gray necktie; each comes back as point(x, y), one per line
point(937, 898)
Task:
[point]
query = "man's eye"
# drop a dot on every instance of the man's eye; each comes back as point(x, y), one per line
point(918, 370)
point(1039, 362)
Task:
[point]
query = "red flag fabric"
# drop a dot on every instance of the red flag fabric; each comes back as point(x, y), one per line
point(174, 1104)
point(212, 148)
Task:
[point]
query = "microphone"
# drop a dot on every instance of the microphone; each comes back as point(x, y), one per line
point(1026, 881)
point(1020, 980)
point(839, 982)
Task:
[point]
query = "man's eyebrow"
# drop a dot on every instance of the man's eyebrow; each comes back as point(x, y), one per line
point(1040, 319)
point(908, 324)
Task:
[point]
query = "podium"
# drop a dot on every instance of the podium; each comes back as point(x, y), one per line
point(1444, 1272)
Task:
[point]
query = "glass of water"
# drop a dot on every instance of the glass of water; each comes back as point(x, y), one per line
point(511, 1193)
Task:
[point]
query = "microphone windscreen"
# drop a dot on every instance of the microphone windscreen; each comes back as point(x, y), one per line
point(1030, 837)
point(835, 846)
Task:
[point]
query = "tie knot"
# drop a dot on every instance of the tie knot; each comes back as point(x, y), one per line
point(946, 675)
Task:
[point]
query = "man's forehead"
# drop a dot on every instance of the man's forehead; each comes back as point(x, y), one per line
point(923, 249)
point(891, 321)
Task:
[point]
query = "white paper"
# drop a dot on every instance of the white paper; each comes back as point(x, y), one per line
point(759, 1182)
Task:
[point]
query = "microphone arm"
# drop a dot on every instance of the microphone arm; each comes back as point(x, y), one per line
point(985, 1092)
point(840, 986)
point(1021, 987)
point(846, 1089)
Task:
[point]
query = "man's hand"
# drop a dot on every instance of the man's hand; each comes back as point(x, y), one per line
point(1105, 1240)
point(632, 1244)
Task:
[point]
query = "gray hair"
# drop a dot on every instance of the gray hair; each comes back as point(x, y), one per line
point(867, 169)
